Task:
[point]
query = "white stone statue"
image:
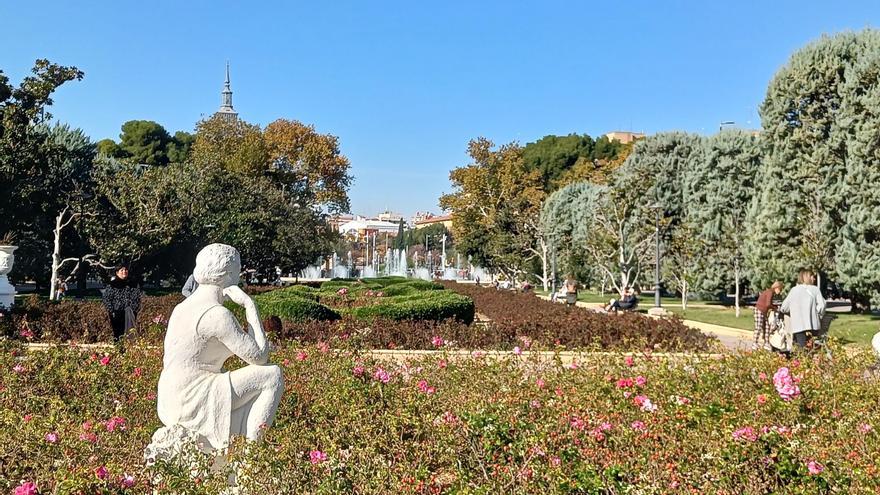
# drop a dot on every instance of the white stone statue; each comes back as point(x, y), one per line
point(195, 393)
point(7, 291)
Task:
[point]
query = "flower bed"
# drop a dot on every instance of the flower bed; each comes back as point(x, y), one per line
point(409, 320)
point(74, 422)
point(525, 314)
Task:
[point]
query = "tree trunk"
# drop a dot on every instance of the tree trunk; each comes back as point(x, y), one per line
point(544, 263)
point(56, 255)
point(684, 295)
point(736, 275)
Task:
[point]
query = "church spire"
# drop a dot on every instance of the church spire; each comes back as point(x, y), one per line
point(226, 109)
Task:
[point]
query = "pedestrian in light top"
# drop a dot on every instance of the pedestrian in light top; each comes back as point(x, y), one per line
point(805, 306)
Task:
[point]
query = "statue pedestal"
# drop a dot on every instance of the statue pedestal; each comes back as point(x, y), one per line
point(7, 293)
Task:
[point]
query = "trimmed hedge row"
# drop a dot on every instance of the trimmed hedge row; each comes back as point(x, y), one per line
point(401, 299)
point(432, 305)
point(295, 308)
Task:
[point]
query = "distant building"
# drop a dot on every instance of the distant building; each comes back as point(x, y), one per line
point(446, 220)
point(337, 220)
point(625, 137)
point(360, 227)
point(388, 216)
point(226, 110)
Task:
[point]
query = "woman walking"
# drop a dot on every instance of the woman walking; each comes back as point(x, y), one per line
point(805, 306)
point(122, 298)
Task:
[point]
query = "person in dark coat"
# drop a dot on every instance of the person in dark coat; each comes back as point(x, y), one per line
point(122, 298)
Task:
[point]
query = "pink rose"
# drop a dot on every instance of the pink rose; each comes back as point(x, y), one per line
point(317, 457)
point(26, 488)
point(641, 381)
point(437, 341)
point(127, 480)
point(101, 473)
point(786, 385)
point(629, 361)
point(301, 356)
point(814, 467)
point(358, 370)
point(638, 426)
point(517, 351)
point(105, 360)
point(745, 433)
point(51, 437)
point(382, 375)
point(625, 383)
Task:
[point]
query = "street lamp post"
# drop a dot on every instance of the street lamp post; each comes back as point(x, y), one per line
point(657, 208)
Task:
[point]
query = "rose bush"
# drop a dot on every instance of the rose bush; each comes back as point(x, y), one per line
point(73, 420)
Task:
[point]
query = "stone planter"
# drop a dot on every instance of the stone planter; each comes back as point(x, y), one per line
point(7, 291)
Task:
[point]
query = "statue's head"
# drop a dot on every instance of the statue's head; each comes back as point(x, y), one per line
point(217, 264)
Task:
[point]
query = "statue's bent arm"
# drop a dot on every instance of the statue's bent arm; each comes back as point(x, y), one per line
point(220, 323)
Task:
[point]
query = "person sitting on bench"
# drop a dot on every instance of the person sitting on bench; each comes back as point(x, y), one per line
point(628, 302)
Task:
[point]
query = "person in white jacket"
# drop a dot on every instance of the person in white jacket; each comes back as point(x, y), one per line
point(805, 306)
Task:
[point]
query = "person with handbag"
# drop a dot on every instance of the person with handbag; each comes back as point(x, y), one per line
point(122, 298)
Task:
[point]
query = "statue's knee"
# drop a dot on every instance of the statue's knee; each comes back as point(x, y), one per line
point(275, 377)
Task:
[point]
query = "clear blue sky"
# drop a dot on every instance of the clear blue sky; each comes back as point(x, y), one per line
point(406, 84)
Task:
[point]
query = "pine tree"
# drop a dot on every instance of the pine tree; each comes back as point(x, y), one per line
point(858, 256)
point(798, 214)
point(720, 190)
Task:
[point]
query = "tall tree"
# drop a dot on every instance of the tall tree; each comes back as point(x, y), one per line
point(298, 153)
point(609, 225)
point(655, 172)
point(179, 147)
point(37, 174)
point(145, 142)
point(858, 255)
point(400, 240)
point(232, 144)
point(495, 207)
point(799, 211)
point(553, 156)
point(720, 191)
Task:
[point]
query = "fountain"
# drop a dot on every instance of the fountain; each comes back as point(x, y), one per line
point(402, 260)
point(311, 272)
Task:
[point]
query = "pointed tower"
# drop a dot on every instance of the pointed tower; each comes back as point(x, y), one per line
point(226, 109)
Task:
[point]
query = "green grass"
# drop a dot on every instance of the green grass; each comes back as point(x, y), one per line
point(849, 328)
point(595, 297)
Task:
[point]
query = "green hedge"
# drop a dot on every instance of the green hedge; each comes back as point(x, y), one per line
point(299, 291)
point(429, 305)
point(295, 309)
point(403, 299)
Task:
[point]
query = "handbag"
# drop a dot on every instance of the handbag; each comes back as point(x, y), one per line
point(780, 337)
